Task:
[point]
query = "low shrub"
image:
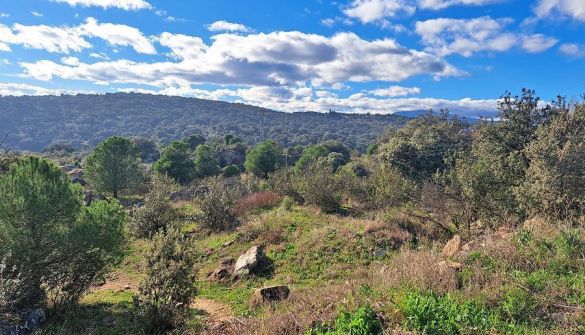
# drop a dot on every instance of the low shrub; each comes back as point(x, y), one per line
point(255, 201)
point(157, 212)
point(363, 321)
point(216, 202)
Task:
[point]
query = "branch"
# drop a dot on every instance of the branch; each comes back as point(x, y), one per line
point(3, 149)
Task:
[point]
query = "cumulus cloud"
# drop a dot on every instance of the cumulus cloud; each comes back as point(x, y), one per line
point(105, 4)
point(441, 4)
point(395, 91)
point(570, 8)
point(117, 34)
point(66, 39)
point(573, 50)
point(368, 11)
point(37, 14)
point(72, 61)
point(228, 26)
point(274, 59)
point(446, 36)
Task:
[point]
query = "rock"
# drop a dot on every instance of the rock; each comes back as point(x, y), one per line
point(269, 294)
point(127, 287)
point(251, 262)
point(452, 247)
point(224, 271)
point(450, 265)
point(379, 252)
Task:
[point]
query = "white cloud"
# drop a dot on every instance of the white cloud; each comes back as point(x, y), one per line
point(573, 50)
point(118, 34)
point(328, 22)
point(99, 55)
point(71, 61)
point(571, 8)
point(275, 59)
point(228, 26)
point(15, 89)
point(441, 4)
point(368, 11)
point(538, 43)
point(51, 39)
point(4, 15)
point(395, 91)
point(37, 14)
point(67, 39)
point(446, 36)
point(105, 4)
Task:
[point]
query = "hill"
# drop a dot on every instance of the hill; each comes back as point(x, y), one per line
point(83, 120)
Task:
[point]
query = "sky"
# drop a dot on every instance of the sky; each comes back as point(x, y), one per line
point(355, 56)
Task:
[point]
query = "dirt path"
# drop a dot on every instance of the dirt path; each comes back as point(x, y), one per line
point(216, 312)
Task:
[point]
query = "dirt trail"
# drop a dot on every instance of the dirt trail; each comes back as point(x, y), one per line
point(216, 312)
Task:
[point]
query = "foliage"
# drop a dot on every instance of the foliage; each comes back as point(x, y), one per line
point(555, 178)
point(310, 154)
point(157, 213)
point(418, 150)
point(318, 185)
point(148, 149)
point(333, 153)
point(442, 315)
point(363, 321)
point(206, 163)
point(216, 201)
point(264, 158)
point(113, 166)
point(50, 242)
point(88, 119)
point(193, 141)
point(176, 163)
point(231, 170)
point(167, 290)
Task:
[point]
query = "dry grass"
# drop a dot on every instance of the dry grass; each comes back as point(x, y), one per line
point(255, 201)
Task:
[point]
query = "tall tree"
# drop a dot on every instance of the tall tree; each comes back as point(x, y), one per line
point(114, 165)
point(264, 158)
point(206, 163)
point(194, 140)
point(176, 163)
point(52, 242)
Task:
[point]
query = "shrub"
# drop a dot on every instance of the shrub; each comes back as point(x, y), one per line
point(255, 201)
point(363, 321)
point(264, 158)
point(157, 212)
point(176, 163)
point(318, 185)
point(168, 288)
point(216, 202)
point(517, 305)
point(231, 170)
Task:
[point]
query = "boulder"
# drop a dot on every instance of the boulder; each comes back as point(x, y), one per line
point(224, 271)
point(452, 247)
point(269, 294)
point(250, 262)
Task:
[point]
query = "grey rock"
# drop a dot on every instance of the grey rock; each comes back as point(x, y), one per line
point(250, 262)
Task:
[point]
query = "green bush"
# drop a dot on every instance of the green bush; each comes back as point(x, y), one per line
point(168, 286)
point(218, 198)
point(517, 305)
point(318, 185)
point(363, 321)
point(156, 213)
point(434, 315)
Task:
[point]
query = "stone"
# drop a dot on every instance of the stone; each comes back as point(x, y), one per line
point(224, 271)
point(451, 265)
point(29, 322)
point(269, 294)
point(452, 247)
point(250, 262)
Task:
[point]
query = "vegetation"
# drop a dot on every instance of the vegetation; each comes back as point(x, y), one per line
point(441, 228)
point(113, 166)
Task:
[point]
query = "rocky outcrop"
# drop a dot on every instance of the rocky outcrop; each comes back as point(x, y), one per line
point(27, 323)
point(250, 262)
point(224, 271)
point(268, 295)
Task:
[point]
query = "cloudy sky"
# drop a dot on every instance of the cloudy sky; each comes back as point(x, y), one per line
point(376, 56)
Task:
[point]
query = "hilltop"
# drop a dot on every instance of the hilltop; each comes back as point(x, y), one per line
point(82, 120)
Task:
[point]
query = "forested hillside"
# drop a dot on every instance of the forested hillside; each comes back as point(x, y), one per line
point(33, 123)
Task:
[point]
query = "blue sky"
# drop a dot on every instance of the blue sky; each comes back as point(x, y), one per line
point(376, 56)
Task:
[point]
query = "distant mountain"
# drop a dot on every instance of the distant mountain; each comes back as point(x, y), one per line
point(33, 123)
point(471, 120)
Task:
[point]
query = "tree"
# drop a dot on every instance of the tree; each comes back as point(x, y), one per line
point(167, 290)
point(147, 148)
point(206, 163)
point(231, 170)
point(310, 155)
point(50, 241)
point(217, 201)
point(555, 178)
point(176, 163)
point(264, 158)
point(231, 139)
point(113, 166)
point(194, 140)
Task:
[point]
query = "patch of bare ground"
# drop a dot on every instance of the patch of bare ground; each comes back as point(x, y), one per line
point(218, 315)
